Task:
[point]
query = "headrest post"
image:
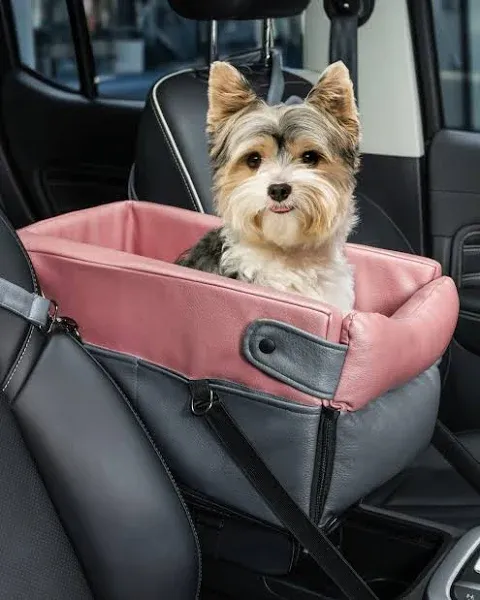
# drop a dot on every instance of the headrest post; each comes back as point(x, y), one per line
point(213, 45)
point(267, 41)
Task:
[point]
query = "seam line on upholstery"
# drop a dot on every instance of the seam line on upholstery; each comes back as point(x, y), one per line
point(159, 456)
point(256, 293)
point(192, 201)
point(19, 360)
point(167, 134)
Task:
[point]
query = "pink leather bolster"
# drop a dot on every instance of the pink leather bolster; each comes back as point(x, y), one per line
point(142, 228)
point(108, 267)
point(384, 280)
point(384, 353)
point(184, 320)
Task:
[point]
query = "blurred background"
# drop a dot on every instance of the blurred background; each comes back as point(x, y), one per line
point(137, 41)
point(134, 42)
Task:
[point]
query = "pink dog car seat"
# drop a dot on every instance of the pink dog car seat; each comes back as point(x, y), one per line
point(335, 406)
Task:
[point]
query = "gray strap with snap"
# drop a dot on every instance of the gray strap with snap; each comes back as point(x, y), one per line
point(32, 307)
point(300, 359)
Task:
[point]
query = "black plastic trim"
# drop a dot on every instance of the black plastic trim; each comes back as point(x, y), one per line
point(83, 48)
point(9, 51)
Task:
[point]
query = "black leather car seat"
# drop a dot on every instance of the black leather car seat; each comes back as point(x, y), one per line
point(88, 508)
point(172, 135)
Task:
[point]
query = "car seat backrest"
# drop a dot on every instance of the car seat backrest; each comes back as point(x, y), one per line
point(89, 456)
point(20, 341)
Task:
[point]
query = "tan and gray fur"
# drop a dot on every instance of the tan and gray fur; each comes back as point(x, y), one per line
point(284, 179)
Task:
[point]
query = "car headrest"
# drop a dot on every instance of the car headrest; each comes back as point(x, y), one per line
point(17, 340)
point(249, 10)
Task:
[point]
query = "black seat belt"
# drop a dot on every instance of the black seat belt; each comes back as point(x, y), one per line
point(451, 447)
point(344, 17)
point(206, 404)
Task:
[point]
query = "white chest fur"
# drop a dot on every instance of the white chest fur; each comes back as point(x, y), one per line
point(331, 281)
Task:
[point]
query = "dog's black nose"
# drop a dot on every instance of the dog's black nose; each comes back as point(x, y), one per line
point(279, 191)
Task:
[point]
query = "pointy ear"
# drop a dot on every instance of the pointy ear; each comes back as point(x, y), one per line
point(334, 95)
point(228, 93)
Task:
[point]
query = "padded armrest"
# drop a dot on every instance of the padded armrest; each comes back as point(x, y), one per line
point(384, 353)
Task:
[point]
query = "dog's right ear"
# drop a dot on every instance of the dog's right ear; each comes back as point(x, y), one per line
point(228, 93)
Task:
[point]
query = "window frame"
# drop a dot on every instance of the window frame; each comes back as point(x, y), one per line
point(83, 49)
point(427, 67)
point(13, 56)
point(430, 87)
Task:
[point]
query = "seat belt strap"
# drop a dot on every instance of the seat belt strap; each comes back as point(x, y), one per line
point(206, 404)
point(344, 17)
point(32, 307)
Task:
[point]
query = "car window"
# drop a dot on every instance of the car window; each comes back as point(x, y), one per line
point(136, 43)
point(45, 40)
point(457, 36)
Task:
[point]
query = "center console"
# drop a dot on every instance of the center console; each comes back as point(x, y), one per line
point(458, 575)
point(398, 556)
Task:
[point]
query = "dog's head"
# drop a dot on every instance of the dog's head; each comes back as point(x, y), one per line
point(284, 175)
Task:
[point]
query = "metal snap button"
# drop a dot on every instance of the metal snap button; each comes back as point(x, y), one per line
point(266, 346)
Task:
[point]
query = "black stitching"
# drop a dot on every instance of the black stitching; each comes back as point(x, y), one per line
point(157, 452)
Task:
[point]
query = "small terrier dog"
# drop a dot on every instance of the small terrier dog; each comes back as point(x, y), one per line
point(284, 178)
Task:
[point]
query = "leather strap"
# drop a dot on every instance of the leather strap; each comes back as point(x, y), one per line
point(206, 404)
point(33, 308)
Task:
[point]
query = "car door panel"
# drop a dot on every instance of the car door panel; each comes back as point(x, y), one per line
point(70, 151)
point(454, 182)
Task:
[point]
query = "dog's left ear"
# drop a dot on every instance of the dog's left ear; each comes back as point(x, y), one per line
point(228, 93)
point(334, 94)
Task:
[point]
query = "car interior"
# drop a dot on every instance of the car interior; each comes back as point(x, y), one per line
point(93, 504)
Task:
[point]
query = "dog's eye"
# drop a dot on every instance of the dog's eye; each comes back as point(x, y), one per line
point(310, 158)
point(253, 160)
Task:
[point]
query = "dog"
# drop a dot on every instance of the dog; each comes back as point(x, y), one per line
point(283, 184)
